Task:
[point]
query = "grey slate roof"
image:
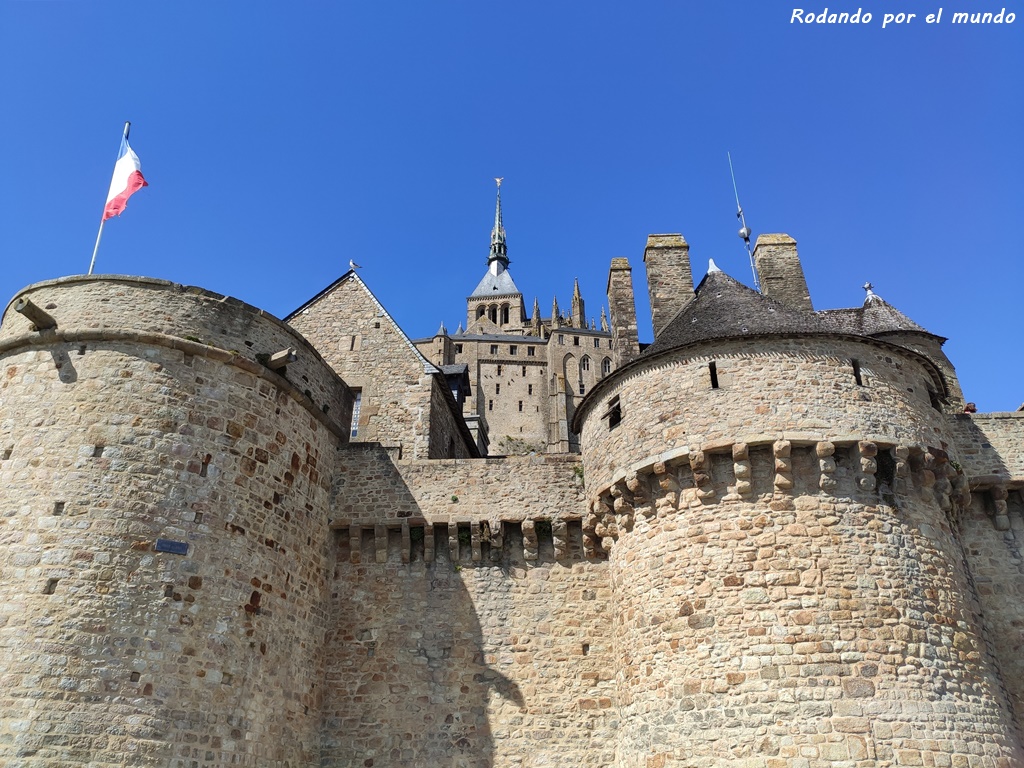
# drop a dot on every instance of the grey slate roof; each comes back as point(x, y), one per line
point(495, 285)
point(877, 316)
point(724, 307)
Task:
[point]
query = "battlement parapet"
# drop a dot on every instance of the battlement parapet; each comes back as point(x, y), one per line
point(773, 472)
point(119, 309)
point(464, 506)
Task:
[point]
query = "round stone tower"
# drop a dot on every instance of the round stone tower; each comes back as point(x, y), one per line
point(774, 494)
point(164, 455)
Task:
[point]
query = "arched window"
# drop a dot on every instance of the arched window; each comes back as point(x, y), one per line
point(585, 363)
point(492, 312)
point(481, 311)
point(504, 314)
point(606, 367)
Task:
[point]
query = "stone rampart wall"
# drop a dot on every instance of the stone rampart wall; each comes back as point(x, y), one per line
point(372, 488)
point(991, 447)
point(996, 561)
point(203, 650)
point(493, 665)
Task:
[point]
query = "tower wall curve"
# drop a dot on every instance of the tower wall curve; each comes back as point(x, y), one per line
point(805, 389)
point(163, 579)
point(786, 572)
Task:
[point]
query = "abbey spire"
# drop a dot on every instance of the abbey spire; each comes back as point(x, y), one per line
point(496, 297)
point(497, 261)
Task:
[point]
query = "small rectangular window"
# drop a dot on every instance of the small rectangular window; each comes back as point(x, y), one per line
point(497, 389)
point(499, 369)
point(856, 372)
point(520, 405)
point(494, 349)
point(614, 413)
point(529, 389)
point(582, 389)
point(531, 351)
point(575, 341)
point(713, 370)
point(524, 370)
point(458, 349)
point(490, 405)
point(561, 338)
point(513, 349)
point(597, 342)
point(357, 404)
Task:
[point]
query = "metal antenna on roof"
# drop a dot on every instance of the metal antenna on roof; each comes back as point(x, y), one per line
point(744, 232)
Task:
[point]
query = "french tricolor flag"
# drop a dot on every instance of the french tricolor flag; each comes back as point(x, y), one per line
point(126, 182)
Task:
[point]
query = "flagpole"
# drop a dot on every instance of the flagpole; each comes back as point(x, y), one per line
point(99, 234)
point(94, 250)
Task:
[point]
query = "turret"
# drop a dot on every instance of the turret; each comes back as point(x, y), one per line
point(744, 473)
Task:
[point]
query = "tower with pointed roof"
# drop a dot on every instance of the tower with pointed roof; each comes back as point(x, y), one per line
point(496, 304)
point(792, 484)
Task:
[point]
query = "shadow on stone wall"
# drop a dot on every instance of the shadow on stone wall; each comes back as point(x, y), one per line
point(992, 535)
point(408, 683)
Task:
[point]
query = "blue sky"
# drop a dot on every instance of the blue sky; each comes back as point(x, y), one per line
point(281, 140)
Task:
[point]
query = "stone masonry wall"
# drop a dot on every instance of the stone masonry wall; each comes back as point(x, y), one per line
point(121, 304)
point(991, 446)
point(163, 545)
point(799, 623)
point(370, 488)
point(370, 352)
point(799, 389)
point(496, 664)
point(996, 561)
point(113, 652)
point(447, 438)
point(469, 628)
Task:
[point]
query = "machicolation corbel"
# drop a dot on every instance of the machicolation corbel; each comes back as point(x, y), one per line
point(868, 465)
point(782, 450)
point(1001, 518)
point(825, 451)
point(741, 469)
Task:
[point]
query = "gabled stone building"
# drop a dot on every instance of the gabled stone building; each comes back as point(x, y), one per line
point(774, 538)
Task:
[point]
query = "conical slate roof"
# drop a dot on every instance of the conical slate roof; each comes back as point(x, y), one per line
point(725, 308)
point(877, 316)
point(722, 308)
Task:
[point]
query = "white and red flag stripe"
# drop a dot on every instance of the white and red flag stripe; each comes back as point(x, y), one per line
point(126, 182)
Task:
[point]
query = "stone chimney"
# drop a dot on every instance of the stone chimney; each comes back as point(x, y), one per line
point(779, 271)
point(669, 280)
point(625, 342)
